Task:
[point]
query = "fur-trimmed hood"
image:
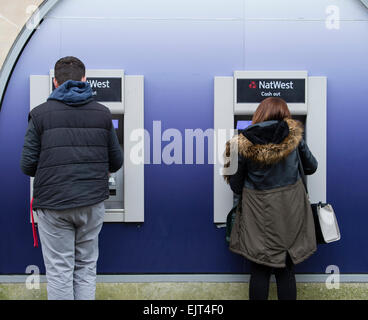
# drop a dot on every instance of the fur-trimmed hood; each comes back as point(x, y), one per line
point(268, 153)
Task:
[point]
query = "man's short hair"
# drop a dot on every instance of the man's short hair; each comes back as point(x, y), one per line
point(69, 68)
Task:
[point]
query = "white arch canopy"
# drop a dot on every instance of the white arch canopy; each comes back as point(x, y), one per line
point(21, 41)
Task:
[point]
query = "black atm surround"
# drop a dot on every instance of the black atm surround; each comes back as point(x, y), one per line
point(301, 118)
point(116, 199)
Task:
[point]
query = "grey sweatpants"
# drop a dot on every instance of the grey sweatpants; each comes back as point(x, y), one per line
point(69, 240)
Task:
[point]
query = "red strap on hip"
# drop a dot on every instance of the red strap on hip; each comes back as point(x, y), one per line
point(35, 239)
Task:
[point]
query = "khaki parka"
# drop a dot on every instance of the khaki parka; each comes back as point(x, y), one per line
point(275, 217)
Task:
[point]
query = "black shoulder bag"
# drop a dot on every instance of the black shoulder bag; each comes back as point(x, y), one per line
point(230, 219)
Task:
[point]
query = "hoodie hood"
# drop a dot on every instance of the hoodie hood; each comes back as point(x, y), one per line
point(73, 93)
point(267, 132)
point(265, 143)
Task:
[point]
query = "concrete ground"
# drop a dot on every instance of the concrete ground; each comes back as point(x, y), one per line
point(190, 291)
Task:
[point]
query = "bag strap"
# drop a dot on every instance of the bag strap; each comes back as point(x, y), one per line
point(301, 170)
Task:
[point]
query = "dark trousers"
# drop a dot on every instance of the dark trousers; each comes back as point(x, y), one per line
point(260, 281)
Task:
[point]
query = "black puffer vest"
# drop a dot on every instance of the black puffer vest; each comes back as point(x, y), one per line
point(73, 166)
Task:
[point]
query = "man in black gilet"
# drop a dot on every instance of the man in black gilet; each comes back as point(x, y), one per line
point(70, 147)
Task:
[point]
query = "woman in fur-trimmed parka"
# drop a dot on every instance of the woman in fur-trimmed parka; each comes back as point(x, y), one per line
point(274, 228)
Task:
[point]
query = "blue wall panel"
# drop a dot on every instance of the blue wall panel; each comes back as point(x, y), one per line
point(179, 52)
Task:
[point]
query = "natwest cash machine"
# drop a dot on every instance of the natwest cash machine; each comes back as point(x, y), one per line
point(124, 96)
point(235, 100)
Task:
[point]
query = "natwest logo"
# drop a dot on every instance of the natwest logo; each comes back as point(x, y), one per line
point(276, 84)
point(252, 85)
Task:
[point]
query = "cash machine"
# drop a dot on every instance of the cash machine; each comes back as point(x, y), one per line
point(123, 95)
point(237, 97)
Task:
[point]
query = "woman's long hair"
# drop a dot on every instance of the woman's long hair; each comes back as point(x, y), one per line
point(271, 109)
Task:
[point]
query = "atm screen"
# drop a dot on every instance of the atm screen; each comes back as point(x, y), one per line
point(118, 123)
point(115, 122)
point(243, 124)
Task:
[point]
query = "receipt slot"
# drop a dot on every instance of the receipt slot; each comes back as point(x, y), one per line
point(236, 99)
point(124, 96)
